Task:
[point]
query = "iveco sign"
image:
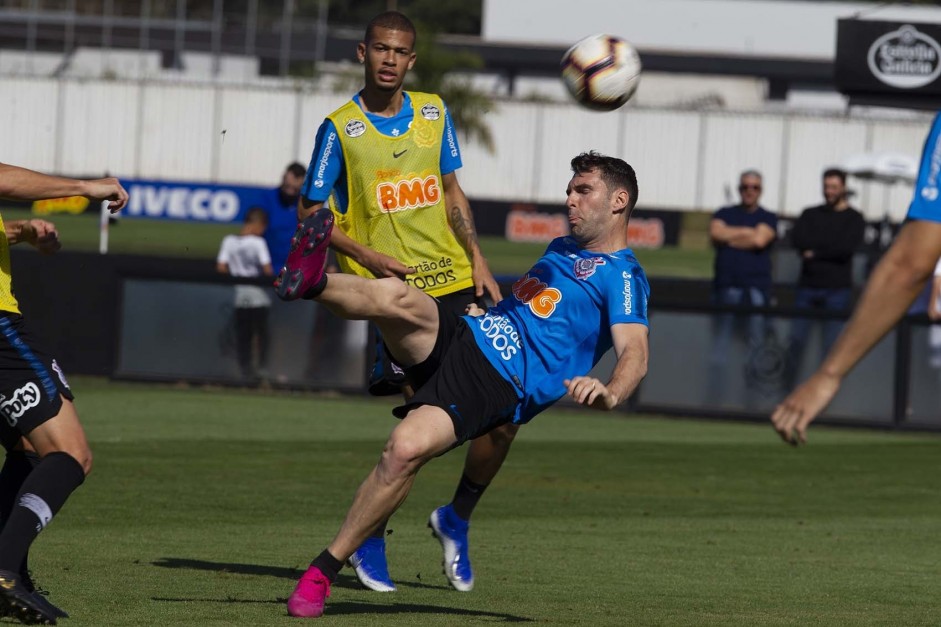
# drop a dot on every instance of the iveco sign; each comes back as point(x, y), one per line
point(173, 200)
point(905, 58)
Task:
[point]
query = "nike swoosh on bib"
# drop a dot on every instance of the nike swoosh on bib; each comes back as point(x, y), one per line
point(396, 155)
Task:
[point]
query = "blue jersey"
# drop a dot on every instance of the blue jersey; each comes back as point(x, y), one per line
point(326, 172)
point(557, 322)
point(926, 204)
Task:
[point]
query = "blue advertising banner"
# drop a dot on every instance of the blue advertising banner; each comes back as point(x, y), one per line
point(194, 202)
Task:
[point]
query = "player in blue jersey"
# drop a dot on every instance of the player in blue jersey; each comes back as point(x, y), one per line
point(894, 284)
point(475, 373)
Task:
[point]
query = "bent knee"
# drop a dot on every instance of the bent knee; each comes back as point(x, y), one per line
point(504, 434)
point(84, 458)
point(392, 291)
point(403, 455)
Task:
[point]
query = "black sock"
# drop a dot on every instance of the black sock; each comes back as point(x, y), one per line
point(328, 565)
point(42, 495)
point(16, 468)
point(466, 497)
point(380, 531)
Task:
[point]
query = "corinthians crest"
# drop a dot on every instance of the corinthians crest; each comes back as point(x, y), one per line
point(584, 268)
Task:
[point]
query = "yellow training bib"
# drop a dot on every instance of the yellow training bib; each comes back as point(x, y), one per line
point(396, 199)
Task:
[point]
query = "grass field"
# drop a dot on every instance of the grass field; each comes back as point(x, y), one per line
point(205, 504)
point(181, 239)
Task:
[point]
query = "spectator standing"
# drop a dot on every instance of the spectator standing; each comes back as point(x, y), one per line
point(246, 255)
point(826, 237)
point(742, 235)
point(281, 210)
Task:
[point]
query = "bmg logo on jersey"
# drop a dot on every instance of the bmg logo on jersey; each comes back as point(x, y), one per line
point(23, 399)
point(408, 194)
point(540, 297)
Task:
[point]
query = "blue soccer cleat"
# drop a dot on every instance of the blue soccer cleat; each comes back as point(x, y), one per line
point(451, 532)
point(369, 562)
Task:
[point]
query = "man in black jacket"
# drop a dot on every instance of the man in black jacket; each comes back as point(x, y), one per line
point(826, 236)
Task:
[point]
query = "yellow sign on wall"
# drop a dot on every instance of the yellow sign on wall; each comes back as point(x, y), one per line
point(69, 204)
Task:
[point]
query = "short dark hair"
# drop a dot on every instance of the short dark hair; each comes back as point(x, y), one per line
point(835, 172)
point(297, 169)
point(393, 20)
point(616, 173)
point(256, 214)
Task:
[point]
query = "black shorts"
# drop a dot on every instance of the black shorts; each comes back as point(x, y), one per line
point(386, 376)
point(458, 378)
point(31, 381)
point(457, 302)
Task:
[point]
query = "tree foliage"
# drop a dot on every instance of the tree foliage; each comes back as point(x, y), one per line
point(434, 72)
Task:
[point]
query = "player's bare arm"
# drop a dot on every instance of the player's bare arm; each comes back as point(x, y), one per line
point(21, 184)
point(461, 220)
point(39, 233)
point(632, 348)
point(893, 286)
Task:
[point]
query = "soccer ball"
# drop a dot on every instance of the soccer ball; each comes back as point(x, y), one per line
point(601, 72)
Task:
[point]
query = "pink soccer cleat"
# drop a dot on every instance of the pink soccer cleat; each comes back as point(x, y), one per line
point(303, 273)
point(309, 595)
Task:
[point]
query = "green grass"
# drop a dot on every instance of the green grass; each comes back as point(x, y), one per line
point(201, 241)
point(204, 505)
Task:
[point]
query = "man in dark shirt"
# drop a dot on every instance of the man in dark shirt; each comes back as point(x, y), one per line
point(825, 236)
point(742, 235)
point(281, 207)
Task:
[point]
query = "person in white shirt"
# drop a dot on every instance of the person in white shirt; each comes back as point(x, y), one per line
point(246, 255)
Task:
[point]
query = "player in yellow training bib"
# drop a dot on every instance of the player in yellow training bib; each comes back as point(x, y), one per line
point(386, 162)
point(47, 453)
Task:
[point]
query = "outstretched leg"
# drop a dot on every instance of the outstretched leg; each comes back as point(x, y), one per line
point(407, 317)
point(426, 432)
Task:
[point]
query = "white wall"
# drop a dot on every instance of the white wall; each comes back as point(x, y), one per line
point(785, 28)
point(684, 159)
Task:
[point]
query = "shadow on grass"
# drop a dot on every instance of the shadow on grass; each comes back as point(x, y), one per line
point(339, 609)
point(284, 572)
point(351, 607)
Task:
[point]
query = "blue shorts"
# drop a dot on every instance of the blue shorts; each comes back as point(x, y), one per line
point(926, 204)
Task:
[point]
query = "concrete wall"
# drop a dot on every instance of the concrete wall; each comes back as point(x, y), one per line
point(684, 159)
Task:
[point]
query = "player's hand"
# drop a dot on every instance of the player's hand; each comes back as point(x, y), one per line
point(590, 392)
point(43, 235)
point(474, 310)
point(383, 266)
point(484, 281)
point(795, 413)
point(107, 189)
point(934, 312)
